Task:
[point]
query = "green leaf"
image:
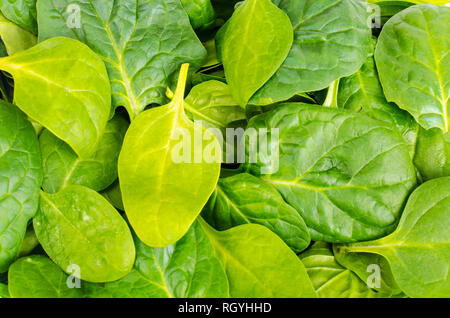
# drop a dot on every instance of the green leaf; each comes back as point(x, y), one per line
point(414, 65)
point(14, 37)
point(330, 279)
point(243, 199)
point(256, 41)
point(143, 43)
point(432, 157)
point(325, 47)
point(201, 13)
point(212, 103)
point(366, 265)
point(71, 93)
point(114, 195)
point(187, 269)
point(347, 175)
point(4, 293)
point(20, 180)
point(38, 277)
point(165, 175)
point(419, 249)
point(77, 226)
point(63, 167)
point(258, 263)
point(362, 92)
point(21, 12)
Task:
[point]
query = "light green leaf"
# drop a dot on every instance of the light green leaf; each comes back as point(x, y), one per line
point(187, 269)
point(326, 47)
point(166, 177)
point(14, 37)
point(367, 267)
point(432, 157)
point(419, 249)
point(77, 226)
point(414, 65)
point(256, 41)
point(20, 180)
point(143, 43)
point(63, 167)
point(259, 264)
point(330, 279)
point(38, 277)
point(212, 102)
point(347, 174)
point(71, 93)
point(243, 199)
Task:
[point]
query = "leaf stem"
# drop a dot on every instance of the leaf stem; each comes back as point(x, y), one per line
point(331, 100)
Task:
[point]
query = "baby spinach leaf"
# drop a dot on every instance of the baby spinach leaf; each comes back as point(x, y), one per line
point(365, 265)
point(114, 195)
point(243, 199)
point(414, 65)
point(14, 37)
point(201, 13)
point(20, 180)
point(432, 157)
point(325, 47)
point(256, 41)
point(419, 249)
point(71, 93)
point(4, 293)
point(21, 12)
point(258, 263)
point(143, 43)
point(189, 268)
point(29, 242)
point(63, 167)
point(37, 276)
point(77, 226)
point(166, 182)
point(330, 279)
point(347, 175)
point(362, 92)
point(212, 103)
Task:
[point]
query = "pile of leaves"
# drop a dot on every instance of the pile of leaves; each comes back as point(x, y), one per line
point(350, 198)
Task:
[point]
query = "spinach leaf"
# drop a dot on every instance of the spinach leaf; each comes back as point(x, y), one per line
point(38, 277)
point(365, 265)
point(114, 195)
point(325, 47)
point(258, 263)
point(63, 167)
point(21, 12)
point(347, 175)
point(419, 249)
point(255, 43)
point(77, 226)
point(20, 180)
point(330, 279)
point(201, 13)
point(70, 95)
point(4, 293)
point(29, 242)
point(362, 92)
point(243, 198)
point(432, 157)
point(414, 65)
point(143, 43)
point(212, 103)
point(166, 182)
point(14, 37)
point(189, 268)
